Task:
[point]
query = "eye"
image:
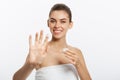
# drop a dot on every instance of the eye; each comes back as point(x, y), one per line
point(52, 21)
point(63, 21)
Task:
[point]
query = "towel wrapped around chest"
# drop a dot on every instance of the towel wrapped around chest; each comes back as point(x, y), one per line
point(57, 72)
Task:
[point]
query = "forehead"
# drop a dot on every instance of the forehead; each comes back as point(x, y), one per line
point(59, 14)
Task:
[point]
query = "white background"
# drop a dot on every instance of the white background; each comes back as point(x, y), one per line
point(96, 32)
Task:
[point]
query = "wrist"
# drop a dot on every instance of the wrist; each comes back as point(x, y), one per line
point(29, 65)
point(77, 65)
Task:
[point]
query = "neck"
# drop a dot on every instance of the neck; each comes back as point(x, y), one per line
point(58, 43)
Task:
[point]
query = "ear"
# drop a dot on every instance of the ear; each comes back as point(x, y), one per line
point(71, 25)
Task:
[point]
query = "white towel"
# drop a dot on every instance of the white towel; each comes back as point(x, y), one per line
point(57, 72)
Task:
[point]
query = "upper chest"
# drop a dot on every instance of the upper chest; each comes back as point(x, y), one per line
point(53, 58)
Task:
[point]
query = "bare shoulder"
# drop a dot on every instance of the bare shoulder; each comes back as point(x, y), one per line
point(79, 53)
point(75, 49)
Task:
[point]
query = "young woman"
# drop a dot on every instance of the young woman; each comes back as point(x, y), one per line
point(55, 59)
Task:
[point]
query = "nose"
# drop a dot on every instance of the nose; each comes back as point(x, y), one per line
point(57, 24)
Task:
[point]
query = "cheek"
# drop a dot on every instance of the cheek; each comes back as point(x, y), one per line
point(66, 27)
point(50, 27)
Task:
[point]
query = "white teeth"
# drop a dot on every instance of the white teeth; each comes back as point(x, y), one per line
point(57, 31)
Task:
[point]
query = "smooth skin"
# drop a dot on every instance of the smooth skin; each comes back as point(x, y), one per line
point(47, 53)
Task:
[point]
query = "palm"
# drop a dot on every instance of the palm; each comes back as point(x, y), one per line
point(37, 51)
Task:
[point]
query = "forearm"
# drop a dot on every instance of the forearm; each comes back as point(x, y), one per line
point(83, 73)
point(23, 72)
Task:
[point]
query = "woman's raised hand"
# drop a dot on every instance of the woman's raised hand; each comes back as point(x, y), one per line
point(37, 51)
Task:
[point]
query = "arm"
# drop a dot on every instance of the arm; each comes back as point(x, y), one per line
point(81, 68)
point(76, 58)
point(23, 72)
point(37, 53)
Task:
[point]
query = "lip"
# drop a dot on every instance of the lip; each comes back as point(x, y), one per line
point(56, 31)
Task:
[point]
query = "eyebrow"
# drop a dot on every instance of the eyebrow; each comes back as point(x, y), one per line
point(60, 19)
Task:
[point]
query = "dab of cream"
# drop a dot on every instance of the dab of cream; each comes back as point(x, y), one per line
point(65, 49)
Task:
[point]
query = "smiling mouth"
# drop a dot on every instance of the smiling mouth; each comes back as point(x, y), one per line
point(57, 31)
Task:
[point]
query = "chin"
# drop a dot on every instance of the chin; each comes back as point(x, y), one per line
point(57, 37)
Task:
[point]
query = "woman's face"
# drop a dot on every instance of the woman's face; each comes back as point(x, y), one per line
point(59, 23)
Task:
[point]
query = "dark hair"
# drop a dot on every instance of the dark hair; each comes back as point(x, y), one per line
point(62, 7)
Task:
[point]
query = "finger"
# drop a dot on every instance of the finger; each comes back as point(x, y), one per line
point(70, 59)
point(30, 41)
point(45, 44)
point(71, 55)
point(41, 36)
point(36, 37)
point(45, 41)
point(70, 51)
